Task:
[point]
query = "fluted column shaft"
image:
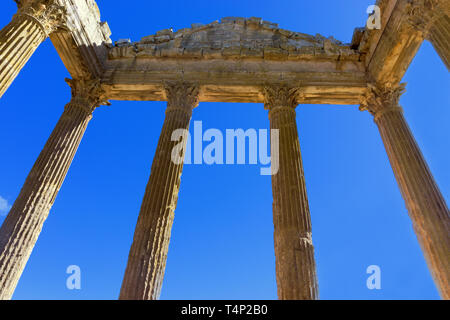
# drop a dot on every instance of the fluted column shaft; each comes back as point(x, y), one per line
point(294, 251)
point(21, 228)
point(432, 19)
point(19, 39)
point(426, 205)
point(439, 36)
point(148, 254)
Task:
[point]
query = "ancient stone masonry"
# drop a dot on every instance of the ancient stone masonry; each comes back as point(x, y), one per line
point(235, 38)
point(294, 251)
point(22, 226)
point(424, 201)
point(83, 44)
point(48, 14)
point(438, 36)
point(422, 14)
point(234, 60)
point(148, 254)
point(252, 50)
point(432, 18)
point(405, 24)
point(74, 28)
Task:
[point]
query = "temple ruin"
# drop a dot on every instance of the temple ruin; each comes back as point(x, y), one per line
point(231, 60)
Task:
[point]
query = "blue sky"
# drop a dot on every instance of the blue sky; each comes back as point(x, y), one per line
point(222, 238)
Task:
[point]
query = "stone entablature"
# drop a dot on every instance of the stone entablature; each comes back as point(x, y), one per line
point(235, 38)
point(82, 44)
point(232, 60)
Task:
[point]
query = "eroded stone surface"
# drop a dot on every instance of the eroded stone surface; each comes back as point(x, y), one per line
point(294, 251)
point(148, 254)
point(21, 228)
point(235, 38)
point(234, 60)
point(31, 25)
point(426, 205)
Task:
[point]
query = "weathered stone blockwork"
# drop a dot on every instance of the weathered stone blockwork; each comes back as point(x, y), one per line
point(235, 38)
point(232, 59)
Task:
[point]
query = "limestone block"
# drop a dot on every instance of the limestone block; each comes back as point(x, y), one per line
point(308, 51)
point(238, 37)
point(254, 22)
point(232, 52)
point(252, 53)
point(240, 21)
point(146, 51)
point(171, 52)
point(181, 32)
point(284, 32)
point(165, 32)
point(192, 53)
point(106, 31)
point(122, 42)
point(148, 39)
point(269, 25)
point(275, 54)
point(121, 52)
point(163, 38)
point(210, 53)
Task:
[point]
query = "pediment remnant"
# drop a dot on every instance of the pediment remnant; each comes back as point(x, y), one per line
point(235, 38)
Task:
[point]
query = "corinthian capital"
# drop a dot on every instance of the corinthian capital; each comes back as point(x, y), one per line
point(280, 95)
point(89, 93)
point(48, 14)
point(182, 95)
point(379, 99)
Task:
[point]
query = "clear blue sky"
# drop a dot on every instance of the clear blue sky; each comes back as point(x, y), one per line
point(222, 239)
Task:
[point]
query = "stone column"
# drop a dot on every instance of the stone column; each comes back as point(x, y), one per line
point(426, 206)
point(432, 19)
point(30, 26)
point(294, 251)
point(21, 228)
point(148, 254)
point(439, 37)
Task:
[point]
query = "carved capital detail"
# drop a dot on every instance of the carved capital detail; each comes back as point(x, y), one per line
point(421, 14)
point(182, 95)
point(281, 95)
point(381, 99)
point(88, 93)
point(48, 14)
